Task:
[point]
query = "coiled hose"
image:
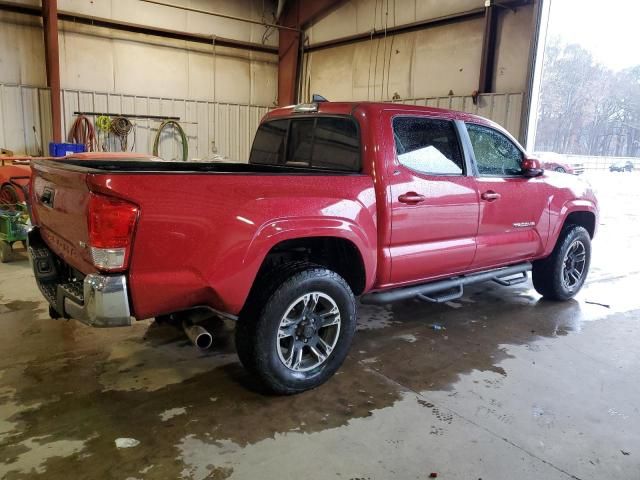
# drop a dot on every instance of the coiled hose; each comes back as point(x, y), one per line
point(103, 124)
point(121, 127)
point(183, 137)
point(82, 132)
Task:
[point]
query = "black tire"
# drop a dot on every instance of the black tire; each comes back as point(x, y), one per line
point(257, 329)
point(560, 170)
point(548, 273)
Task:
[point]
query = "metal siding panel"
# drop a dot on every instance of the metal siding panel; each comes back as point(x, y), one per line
point(14, 120)
point(70, 101)
point(514, 114)
point(45, 118)
point(85, 102)
point(31, 115)
point(484, 106)
point(3, 141)
point(114, 103)
point(101, 103)
point(191, 128)
point(202, 129)
point(457, 103)
point(504, 109)
point(144, 139)
point(229, 128)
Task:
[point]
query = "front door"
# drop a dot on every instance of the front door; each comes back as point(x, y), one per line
point(434, 203)
point(514, 218)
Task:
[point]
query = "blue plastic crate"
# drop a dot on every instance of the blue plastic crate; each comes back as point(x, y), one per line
point(62, 149)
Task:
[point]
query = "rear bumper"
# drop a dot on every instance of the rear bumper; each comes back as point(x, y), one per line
point(97, 300)
point(106, 302)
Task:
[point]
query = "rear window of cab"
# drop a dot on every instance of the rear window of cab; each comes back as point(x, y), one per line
point(321, 142)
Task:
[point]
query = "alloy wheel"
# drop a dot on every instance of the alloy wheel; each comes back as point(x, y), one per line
point(308, 331)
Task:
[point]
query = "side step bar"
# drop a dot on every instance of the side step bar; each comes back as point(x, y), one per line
point(426, 290)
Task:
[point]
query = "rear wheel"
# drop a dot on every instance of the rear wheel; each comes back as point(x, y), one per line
point(562, 274)
point(296, 338)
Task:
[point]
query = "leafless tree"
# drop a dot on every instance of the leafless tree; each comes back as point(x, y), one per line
point(586, 108)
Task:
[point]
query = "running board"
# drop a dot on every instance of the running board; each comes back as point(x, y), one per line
point(426, 291)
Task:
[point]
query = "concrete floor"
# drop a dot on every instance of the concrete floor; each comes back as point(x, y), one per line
point(514, 388)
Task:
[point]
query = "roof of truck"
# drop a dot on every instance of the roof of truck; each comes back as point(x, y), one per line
point(347, 108)
point(372, 109)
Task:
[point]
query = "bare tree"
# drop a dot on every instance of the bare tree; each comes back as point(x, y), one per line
point(586, 108)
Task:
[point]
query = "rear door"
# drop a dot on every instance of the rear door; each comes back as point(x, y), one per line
point(513, 208)
point(434, 202)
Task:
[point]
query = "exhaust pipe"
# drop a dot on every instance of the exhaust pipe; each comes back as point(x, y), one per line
point(198, 335)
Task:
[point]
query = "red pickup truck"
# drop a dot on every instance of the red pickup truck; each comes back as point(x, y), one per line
point(339, 200)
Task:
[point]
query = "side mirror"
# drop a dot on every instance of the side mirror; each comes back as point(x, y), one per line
point(531, 167)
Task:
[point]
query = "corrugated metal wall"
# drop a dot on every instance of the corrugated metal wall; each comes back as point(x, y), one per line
point(503, 108)
point(23, 110)
point(212, 128)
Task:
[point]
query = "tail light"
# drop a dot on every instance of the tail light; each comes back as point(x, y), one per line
point(111, 225)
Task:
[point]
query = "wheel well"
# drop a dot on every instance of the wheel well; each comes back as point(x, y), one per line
point(584, 219)
point(337, 254)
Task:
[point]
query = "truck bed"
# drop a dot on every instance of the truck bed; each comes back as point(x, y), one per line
point(140, 166)
point(203, 228)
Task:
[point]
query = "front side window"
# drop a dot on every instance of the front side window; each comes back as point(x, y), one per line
point(495, 154)
point(428, 145)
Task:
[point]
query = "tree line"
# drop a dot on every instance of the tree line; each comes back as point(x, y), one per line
point(585, 108)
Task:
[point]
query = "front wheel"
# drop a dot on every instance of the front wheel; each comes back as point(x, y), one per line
point(560, 170)
point(562, 274)
point(297, 338)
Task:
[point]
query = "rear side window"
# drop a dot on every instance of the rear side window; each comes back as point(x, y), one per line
point(428, 145)
point(300, 142)
point(268, 146)
point(336, 144)
point(330, 143)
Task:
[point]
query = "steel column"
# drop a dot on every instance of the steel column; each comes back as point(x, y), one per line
point(297, 15)
point(488, 59)
point(52, 54)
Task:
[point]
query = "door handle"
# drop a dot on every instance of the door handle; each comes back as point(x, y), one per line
point(47, 197)
point(411, 198)
point(490, 196)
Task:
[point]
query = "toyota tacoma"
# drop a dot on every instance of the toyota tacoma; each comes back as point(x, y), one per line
point(338, 201)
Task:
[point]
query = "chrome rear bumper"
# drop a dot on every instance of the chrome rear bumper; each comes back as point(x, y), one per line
point(106, 302)
point(97, 300)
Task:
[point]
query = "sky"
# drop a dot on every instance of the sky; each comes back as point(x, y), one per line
point(609, 29)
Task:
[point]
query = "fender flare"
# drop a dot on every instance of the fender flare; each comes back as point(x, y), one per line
point(571, 206)
point(271, 234)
